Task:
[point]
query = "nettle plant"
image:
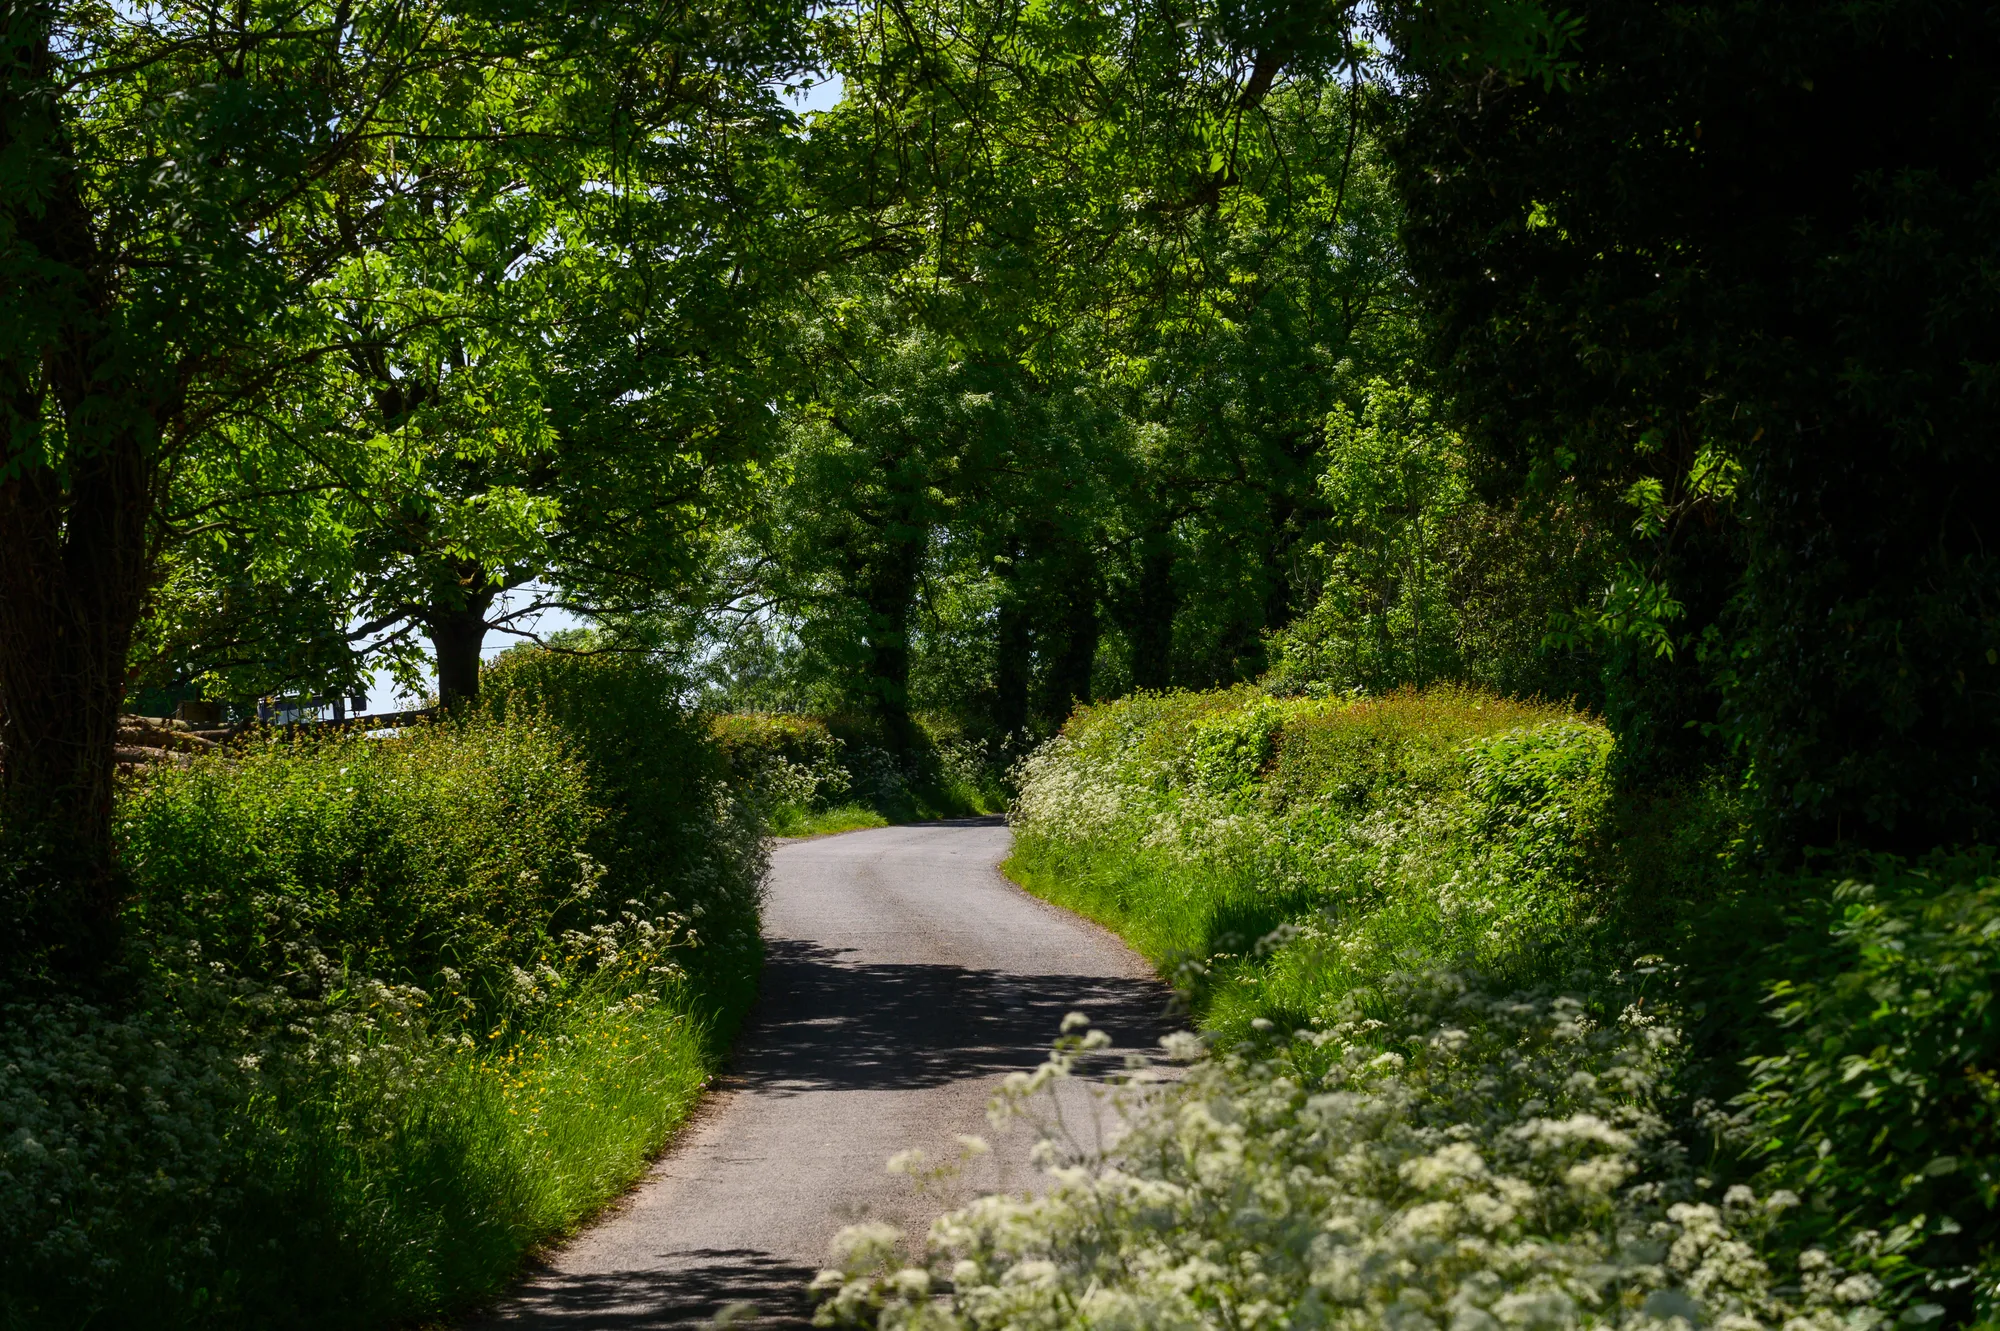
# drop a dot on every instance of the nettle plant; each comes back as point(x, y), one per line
point(1875, 1093)
point(1441, 1156)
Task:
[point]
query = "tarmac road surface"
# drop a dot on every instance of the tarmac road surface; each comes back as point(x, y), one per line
point(904, 978)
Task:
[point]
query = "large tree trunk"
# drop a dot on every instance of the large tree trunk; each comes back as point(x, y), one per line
point(457, 630)
point(1153, 618)
point(73, 577)
point(1069, 674)
point(75, 534)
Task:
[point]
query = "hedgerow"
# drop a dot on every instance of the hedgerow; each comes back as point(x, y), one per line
point(1433, 1088)
point(807, 775)
point(396, 1010)
point(1273, 854)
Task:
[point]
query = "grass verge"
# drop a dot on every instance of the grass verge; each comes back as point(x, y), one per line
point(791, 821)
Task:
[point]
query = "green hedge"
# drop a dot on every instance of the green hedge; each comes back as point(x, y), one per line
point(810, 775)
point(1275, 854)
point(1829, 1083)
point(453, 847)
point(750, 742)
point(396, 1012)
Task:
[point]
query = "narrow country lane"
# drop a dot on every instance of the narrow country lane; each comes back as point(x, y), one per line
point(904, 978)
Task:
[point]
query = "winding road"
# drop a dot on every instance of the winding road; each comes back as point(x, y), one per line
point(904, 978)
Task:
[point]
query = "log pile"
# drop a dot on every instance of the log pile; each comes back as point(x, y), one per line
point(146, 741)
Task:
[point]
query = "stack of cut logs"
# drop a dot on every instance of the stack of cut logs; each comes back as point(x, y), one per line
point(144, 741)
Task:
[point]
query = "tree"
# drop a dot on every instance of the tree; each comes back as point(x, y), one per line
point(551, 383)
point(1723, 275)
point(180, 183)
point(1424, 580)
point(1145, 245)
point(864, 485)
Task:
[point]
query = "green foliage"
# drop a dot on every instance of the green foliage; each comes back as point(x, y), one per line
point(1395, 482)
point(1277, 855)
point(281, 343)
point(1229, 751)
point(398, 1011)
point(1357, 756)
point(1699, 289)
point(459, 848)
point(1880, 1103)
point(810, 776)
point(749, 741)
point(650, 763)
point(1067, 437)
point(1544, 793)
point(1292, 862)
point(790, 768)
point(1424, 580)
point(459, 447)
point(1489, 1158)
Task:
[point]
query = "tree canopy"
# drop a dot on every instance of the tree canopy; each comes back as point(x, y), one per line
point(1633, 355)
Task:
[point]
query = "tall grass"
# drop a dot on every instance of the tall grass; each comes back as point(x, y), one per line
point(373, 1212)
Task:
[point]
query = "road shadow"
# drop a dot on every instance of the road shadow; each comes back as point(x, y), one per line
point(691, 1292)
point(827, 1023)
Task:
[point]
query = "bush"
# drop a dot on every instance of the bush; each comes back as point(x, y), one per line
point(1881, 1104)
point(807, 775)
point(397, 1011)
point(461, 848)
point(671, 825)
point(790, 768)
point(1275, 854)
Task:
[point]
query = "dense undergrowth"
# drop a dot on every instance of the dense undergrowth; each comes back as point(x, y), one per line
point(395, 1012)
point(813, 776)
point(1271, 855)
point(1493, 1041)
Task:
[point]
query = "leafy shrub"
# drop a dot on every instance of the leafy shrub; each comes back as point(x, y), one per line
point(1227, 751)
point(1447, 828)
point(807, 775)
point(1274, 854)
point(453, 847)
point(1882, 1106)
point(790, 768)
point(655, 769)
point(397, 1011)
point(1424, 579)
point(1456, 1156)
point(753, 742)
point(1842, 1040)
